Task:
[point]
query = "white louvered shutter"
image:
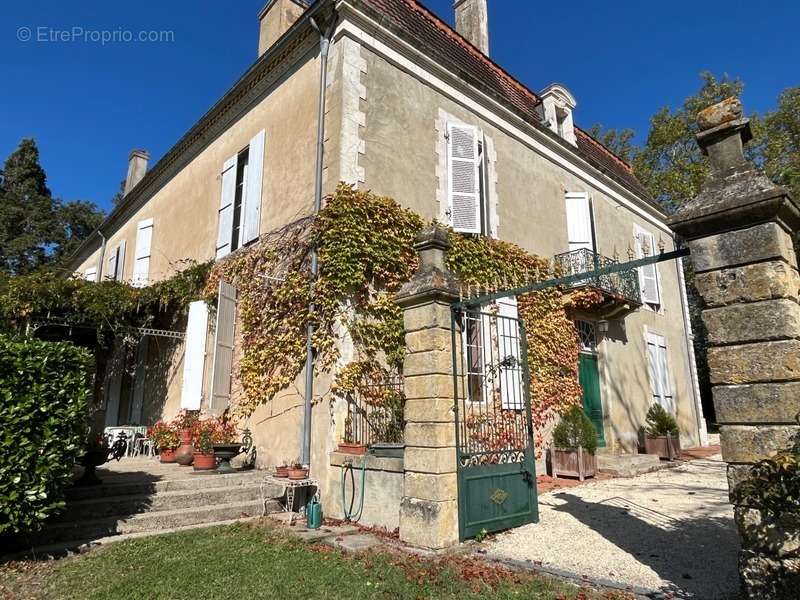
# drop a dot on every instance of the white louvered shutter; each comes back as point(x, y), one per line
point(223, 348)
point(251, 206)
point(653, 366)
point(659, 371)
point(579, 221)
point(463, 182)
point(194, 356)
point(113, 263)
point(141, 265)
point(509, 350)
point(90, 274)
point(648, 275)
point(227, 197)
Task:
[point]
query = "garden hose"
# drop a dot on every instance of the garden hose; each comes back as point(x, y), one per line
point(349, 515)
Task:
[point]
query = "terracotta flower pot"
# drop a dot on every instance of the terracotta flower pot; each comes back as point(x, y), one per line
point(184, 454)
point(166, 455)
point(204, 462)
point(348, 448)
point(282, 471)
point(297, 473)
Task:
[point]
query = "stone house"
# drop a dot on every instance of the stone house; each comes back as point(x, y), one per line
point(414, 110)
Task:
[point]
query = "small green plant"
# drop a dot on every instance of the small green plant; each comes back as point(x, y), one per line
point(575, 429)
point(482, 534)
point(659, 422)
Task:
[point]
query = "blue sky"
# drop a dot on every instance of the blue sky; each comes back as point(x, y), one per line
point(88, 104)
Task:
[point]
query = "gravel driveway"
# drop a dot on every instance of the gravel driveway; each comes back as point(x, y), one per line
point(671, 530)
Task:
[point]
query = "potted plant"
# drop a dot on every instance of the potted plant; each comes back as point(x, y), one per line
point(574, 445)
point(184, 424)
point(226, 446)
point(661, 433)
point(348, 444)
point(97, 450)
point(282, 470)
point(203, 434)
point(297, 471)
point(165, 439)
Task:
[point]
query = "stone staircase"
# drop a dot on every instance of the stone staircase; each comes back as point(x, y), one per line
point(141, 496)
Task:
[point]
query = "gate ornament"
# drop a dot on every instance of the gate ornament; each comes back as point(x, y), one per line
point(499, 496)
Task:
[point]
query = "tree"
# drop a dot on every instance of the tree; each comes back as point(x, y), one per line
point(117, 198)
point(781, 141)
point(27, 211)
point(670, 164)
point(35, 228)
point(619, 142)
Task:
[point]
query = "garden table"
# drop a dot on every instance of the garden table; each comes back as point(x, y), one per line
point(289, 486)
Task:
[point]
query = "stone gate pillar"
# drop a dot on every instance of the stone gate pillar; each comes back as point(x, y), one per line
point(740, 231)
point(429, 509)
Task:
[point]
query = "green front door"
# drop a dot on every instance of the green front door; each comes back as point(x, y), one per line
point(589, 377)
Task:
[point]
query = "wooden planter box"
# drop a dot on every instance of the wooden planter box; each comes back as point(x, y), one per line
point(665, 446)
point(572, 462)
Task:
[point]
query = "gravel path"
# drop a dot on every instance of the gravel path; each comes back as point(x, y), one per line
point(671, 530)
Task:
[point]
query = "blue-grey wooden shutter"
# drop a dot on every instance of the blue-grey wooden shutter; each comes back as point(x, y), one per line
point(227, 197)
point(251, 206)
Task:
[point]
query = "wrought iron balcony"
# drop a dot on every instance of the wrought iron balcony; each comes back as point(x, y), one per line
point(622, 287)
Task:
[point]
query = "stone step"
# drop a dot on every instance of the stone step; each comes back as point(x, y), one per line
point(149, 521)
point(629, 465)
point(121, 484)
point(130, 504)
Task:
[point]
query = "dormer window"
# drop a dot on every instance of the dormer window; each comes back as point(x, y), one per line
point(558, 104)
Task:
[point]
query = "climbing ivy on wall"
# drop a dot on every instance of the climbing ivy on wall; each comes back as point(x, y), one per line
point(365, 249)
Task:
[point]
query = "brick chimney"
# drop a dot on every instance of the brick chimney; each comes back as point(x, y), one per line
point(275, 19)
point(137, 167)
point(472, 21)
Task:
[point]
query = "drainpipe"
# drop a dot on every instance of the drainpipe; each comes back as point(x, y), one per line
point(324, 47)
point(102, 255)
point(702, 432)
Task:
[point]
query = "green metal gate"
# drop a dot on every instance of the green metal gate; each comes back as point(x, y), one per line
point(494, 431)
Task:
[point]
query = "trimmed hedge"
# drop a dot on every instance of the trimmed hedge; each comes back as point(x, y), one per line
point(44, 390)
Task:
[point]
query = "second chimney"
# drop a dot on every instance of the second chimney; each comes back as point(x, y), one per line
point(137, 167)
point(472, 21)
point(275, 19)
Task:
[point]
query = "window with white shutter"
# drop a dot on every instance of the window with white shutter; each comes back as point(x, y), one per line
point(659, 371)
point(194, 355)
point(141, 264)
point(116, 263)
point(579, 221)
point(241, 197)
point(90, 274)
point(509, 358)
point(464, 186)
point(648, 275)
point(226, 202)
point(223, 348)
point(251, 210)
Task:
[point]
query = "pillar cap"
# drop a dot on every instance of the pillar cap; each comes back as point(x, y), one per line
point(735, 194)
point(432, 280)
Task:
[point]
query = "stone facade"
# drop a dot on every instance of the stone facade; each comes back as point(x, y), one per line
point(740, 230)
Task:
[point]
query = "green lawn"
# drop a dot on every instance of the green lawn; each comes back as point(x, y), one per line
point(258, 561)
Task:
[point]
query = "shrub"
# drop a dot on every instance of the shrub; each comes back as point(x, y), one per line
point(44, 389)
point(660, 422)
point(773, 485)
point(575, 429)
